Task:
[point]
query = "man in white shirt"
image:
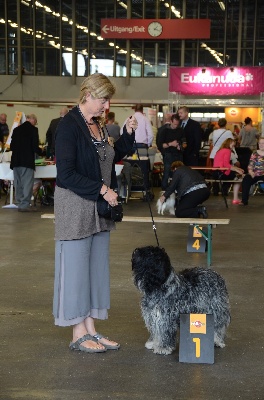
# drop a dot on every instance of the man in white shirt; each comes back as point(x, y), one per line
point(144, 133)
point(218, 136)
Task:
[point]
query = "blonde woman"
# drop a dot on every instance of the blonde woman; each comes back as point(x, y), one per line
point(85, 171)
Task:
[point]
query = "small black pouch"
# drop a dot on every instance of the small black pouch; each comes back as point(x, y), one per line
point(108, 212)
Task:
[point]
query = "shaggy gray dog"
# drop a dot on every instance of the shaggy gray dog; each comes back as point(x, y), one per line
point(167, 294)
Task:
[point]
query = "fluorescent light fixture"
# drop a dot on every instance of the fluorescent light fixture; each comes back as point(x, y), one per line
point(222, 5)
point(196, 115)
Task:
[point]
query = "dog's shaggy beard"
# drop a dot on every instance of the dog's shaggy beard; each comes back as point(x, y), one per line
point(151, 268)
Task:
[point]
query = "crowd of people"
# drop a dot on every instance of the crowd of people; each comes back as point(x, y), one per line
point(233, 155)
point(179, 138)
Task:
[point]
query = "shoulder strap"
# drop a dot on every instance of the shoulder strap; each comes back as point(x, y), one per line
point(219, 137)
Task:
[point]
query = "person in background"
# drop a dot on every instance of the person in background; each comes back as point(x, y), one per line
point(155, 131)
point(255, 171)
point(144, 133)
point(218, 136)
point(223, 159)
point(236, 132)
point(193, 135)
point(50, 135)
point(124, 179)
point(191, 190)
point(112, 128)
point(172, 140)
point(208, 130)
point(248, 136)
point(166, 124)
point(4, 130)
point(85, 164)
point(24, 144)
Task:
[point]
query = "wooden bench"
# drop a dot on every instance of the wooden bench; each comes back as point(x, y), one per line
point(196, 222)
point(220, 181)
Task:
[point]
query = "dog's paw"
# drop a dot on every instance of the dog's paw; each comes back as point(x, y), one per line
point(219, 344)
point(165, 351)
point(149, 345)
point(219, 341)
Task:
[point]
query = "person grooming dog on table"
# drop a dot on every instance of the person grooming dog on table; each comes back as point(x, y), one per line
point(191, 190)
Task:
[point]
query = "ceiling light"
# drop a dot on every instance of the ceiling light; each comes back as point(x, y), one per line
point(222, 5)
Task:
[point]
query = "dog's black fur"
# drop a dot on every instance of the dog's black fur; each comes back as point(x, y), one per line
point(167, 294)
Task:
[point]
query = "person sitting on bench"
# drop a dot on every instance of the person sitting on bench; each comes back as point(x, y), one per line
point(255, 171)
point(191, 190)
point(223, 159)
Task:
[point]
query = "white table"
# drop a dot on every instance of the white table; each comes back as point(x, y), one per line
point(118, 169)
point(41, 172)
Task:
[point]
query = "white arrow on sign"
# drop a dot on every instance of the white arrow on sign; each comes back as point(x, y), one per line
point(105, 29)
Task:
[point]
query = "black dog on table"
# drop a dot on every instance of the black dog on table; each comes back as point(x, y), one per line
point(167, 294)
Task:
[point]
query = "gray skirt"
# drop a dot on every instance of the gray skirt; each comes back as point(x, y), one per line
point(82, 283)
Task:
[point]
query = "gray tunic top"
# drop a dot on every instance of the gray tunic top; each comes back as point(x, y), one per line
point(76, 217)
point(249, 138)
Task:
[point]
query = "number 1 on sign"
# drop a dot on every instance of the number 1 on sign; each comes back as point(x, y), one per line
point(197, 342)
point(196, 244)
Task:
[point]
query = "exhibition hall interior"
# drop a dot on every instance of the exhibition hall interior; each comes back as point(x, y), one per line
point(168, 64)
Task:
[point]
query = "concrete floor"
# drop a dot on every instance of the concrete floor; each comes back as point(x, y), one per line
point(35, 362)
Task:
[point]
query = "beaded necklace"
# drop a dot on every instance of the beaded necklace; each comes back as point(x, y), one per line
point(97, 143)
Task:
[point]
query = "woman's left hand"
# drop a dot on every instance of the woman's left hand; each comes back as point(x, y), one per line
point(240, 171)
point(131, 124)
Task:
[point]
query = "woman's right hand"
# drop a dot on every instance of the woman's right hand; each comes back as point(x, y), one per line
point(131, 124)
point(111, 197)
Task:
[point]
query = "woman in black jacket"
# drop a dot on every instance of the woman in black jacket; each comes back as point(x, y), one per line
point(191, 190)
point(86, 173)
